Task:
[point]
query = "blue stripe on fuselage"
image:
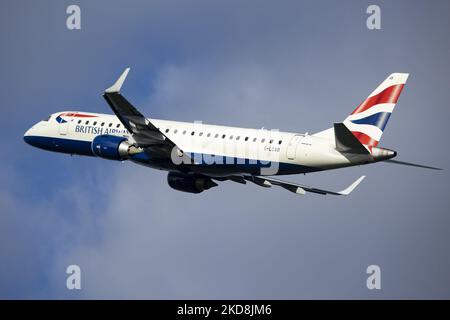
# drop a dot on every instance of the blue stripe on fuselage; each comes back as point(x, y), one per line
point(60, 145)
point(214, 164)
point(205, 162)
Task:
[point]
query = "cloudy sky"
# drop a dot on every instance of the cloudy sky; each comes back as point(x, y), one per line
point(291, 65)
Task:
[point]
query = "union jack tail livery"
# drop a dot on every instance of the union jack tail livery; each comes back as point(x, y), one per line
point(368, 120)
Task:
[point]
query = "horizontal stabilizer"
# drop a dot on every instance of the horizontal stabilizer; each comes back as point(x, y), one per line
point(346, 141)
point(412, 164)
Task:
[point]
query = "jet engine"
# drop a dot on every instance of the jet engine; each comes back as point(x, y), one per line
point(113, 147)
point(189, 183)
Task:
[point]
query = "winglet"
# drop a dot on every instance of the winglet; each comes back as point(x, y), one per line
point(348, 190)
point(116, 86)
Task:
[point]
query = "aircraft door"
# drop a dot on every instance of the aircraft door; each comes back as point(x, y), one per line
point(292, 147)
point(63, 128)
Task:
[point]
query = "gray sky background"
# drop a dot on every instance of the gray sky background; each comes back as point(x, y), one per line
point(292, 65)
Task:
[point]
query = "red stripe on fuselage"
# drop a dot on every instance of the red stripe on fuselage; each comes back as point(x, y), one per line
point(365, 139)
point(77, 115)
point(388, 95)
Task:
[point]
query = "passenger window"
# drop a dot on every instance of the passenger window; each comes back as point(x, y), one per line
point(175, 131)
point(95, 123)
point(270, 141)
point(216, 136)
point(110, 125)
point(201, 133)
point(238, 137)
point(167, 130)
point(279, 142)
point(102, 124)
point(254, 139)
point(87, 122)
point(262, 141)
point(192, 133)
point(208, 135)
point(118, 125)
point(184, 132)
point(223, 136)
point(231, 137)
point(79, 121)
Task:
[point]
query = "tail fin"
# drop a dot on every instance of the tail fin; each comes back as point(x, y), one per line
point(368, 120)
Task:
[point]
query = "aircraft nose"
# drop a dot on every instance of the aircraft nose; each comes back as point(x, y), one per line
point(27, 136)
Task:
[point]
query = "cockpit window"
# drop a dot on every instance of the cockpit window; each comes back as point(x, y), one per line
point(48, 118)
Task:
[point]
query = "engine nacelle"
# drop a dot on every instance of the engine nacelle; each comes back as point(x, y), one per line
point(189, 183)
point(111, 147)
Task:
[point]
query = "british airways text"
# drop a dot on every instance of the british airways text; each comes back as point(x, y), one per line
point(100, 130)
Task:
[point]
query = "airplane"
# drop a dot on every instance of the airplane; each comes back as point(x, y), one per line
point(198, 156)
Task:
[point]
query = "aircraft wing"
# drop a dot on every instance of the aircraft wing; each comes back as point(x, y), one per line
point(144, 132)
point(294, 187)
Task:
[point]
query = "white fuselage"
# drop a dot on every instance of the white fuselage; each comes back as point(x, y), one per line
point(231, 149)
